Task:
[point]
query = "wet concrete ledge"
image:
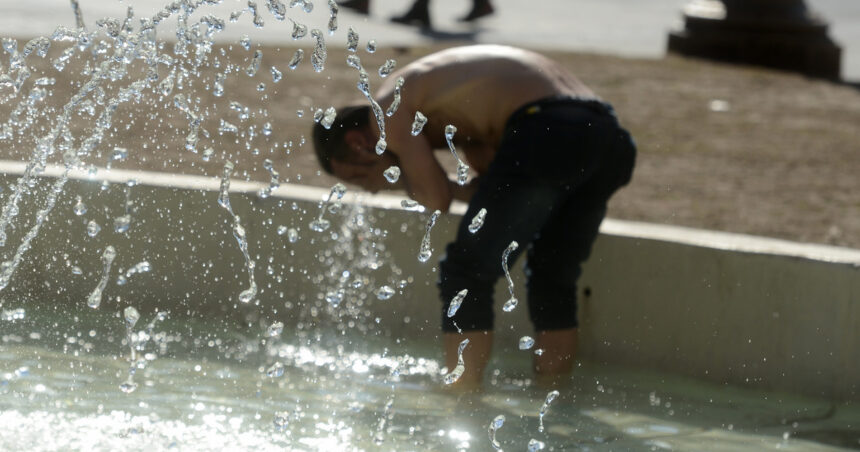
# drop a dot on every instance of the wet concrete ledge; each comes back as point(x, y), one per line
point(753, 311)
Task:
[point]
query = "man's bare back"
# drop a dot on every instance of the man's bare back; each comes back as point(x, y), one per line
point(475, 88)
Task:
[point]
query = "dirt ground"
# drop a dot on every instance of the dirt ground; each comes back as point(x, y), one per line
point(720, 147)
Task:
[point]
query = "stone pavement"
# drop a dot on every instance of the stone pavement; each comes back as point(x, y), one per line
point(619, 27)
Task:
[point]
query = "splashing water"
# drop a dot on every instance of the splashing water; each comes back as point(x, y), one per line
point(371, 46)
point(276, 370)
point(526, 342)
point(320, 224)
point(80, 208)
point(418, 124)
point(93, 228)
point(328, 117)
point(395, 103)
point(411, 205)
point(456, 302)
point(363, 85)
point(392, 174)
point(495, 425)
point(455, 374)
point(535, 445)
point(545, 407)
point(351, 40)
point(425, 251)
point(385, 293)
point(462, 167)
point(238, 233)
point(276, 74)
point(296, 59)
point(95, 298)
point(477, 221)
point(386, 68)
point(332, 20)
point(274, 179)
point(319, 54)
point(140, 267)
point(275, 329)
point(254, 65)
point(299, 30)
point(512, 302)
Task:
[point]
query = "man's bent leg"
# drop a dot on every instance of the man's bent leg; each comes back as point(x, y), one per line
point(476, 355)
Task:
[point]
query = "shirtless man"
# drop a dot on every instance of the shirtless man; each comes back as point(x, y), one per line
point(548, 155)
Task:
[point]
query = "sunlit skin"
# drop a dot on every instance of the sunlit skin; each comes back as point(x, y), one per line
point(475, 88)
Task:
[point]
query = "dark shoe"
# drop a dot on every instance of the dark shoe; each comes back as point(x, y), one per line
point(479, 10)
point(418, 15)
point(359, 6)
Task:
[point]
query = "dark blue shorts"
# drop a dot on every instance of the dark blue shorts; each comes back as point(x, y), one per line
point(559, 162)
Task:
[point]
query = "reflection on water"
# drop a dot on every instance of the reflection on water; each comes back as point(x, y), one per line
point(206, 388)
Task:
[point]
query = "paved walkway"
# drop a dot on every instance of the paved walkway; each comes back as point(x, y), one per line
point(621, 27)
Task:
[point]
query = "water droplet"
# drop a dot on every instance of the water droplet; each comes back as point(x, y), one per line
point(512, 302)
point(334, 297)
point(526, 342)
point(456, 302)
point(392, 174)
point(95, 297)
point(248, 294)
point(535, 445)
point(386, 68)
point(411, 205)
point(245, 41)
point(254, 65)
point(477, 221)
point(425, 251)
point(119, 153)
point(282, 230)
point(131, 316)
point(276, 74)
point(545, 407)
point(455, 374)
point(328, 117)
point(381, 145)
point(275, 370)
point(275, 329)
point(267, 129)
point(80, 208)
point(395, 104)
point(292, 235)
point(332, 20)
point(351, 40)
point(385, 293)
point(282, 420)
point(320, 225)
point(296, 59)
point(299, 30)
point(319, 54)
point(122, 223)
point(128, 387)
point(418, 124)
point(371, 46)
point(207, 154)
point(497, 423)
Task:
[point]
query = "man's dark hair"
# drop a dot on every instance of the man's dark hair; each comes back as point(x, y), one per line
point(328, 143)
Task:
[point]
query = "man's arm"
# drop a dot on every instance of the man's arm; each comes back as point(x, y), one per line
point(426, 181)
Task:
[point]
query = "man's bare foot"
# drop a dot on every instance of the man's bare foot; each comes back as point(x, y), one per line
point(559, 348)
point(479, 10)
point(475, 357)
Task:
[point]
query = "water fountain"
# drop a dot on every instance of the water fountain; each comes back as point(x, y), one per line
point(145, 311)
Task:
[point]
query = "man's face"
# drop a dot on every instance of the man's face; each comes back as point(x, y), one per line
point(364, 168)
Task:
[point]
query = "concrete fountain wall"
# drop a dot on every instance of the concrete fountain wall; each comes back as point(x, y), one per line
point(746, 310)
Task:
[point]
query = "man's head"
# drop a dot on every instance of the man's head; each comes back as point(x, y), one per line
point(347, 149)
